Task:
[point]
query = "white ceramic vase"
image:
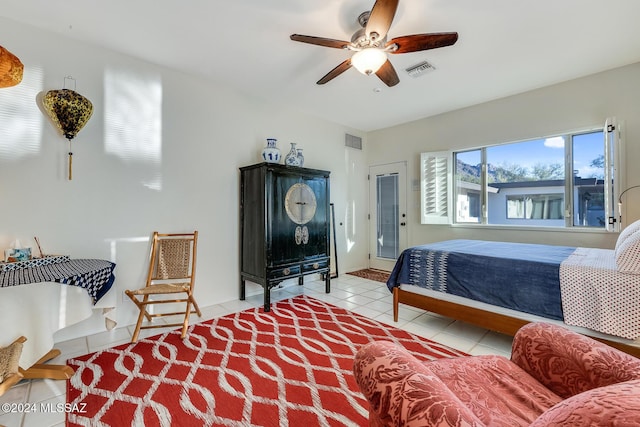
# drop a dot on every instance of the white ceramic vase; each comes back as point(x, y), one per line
point(271, 153)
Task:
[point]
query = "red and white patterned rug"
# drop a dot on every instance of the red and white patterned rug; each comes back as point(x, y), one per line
point(291, 366)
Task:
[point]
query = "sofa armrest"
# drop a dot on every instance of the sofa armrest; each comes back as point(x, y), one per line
point(568, 363)
point(401, 390)
point(614, 405)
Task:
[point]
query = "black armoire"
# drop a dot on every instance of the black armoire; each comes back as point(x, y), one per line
point(284, 225)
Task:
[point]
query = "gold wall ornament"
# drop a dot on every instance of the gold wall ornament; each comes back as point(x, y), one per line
point(69, 111)
point(11, 68)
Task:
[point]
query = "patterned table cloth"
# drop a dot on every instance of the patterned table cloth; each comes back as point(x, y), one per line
point(94, 275)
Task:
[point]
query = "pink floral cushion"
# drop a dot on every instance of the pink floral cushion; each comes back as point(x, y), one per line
point(628, 255)
point(614, 405)
point(429, 402)
point(568, 363)
point(476, 391)
point(497, 391)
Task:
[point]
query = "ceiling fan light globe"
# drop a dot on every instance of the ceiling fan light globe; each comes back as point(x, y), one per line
point(369, 60)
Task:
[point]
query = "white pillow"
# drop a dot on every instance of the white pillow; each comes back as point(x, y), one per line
point(626, 232)
point(628, 255)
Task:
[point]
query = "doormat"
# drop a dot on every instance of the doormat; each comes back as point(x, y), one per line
point(372, 274)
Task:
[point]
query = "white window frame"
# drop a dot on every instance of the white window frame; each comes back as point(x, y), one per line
point(614, 155)
point(530, 201)
point(437, 193)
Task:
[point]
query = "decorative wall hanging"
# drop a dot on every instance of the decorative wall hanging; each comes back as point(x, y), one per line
point(10, 68)
point(69, 111)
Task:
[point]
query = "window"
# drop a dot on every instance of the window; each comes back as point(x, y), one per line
point(535, 206)
point(588, 169)
point(468, 183)
point(557, 181)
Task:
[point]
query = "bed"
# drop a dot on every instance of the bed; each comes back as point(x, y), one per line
point(502, 286)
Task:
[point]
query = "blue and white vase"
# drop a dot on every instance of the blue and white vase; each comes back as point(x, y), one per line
point(292, 159)
point(271, 153)
point(300, 157)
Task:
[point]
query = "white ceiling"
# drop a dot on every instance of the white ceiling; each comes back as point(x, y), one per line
point(504, 47)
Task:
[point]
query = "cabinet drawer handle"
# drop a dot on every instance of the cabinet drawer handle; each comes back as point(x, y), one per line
point(316, 266)
point(286, 271)
point(298, 235)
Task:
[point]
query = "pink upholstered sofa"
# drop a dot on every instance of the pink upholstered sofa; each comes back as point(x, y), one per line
point(555, 378)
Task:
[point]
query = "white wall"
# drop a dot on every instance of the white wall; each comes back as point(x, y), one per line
point(161, 152)
point(572, 105)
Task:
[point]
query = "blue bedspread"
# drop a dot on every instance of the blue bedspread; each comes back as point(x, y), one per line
point(520, 276)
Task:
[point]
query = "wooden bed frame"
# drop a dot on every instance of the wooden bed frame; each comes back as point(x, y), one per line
point(483, 318)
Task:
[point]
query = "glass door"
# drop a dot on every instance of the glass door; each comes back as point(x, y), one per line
point(387, 216)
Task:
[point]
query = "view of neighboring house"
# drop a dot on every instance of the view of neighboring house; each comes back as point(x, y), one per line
point(533, 203)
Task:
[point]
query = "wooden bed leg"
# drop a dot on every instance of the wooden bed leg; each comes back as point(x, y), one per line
point(396, 302)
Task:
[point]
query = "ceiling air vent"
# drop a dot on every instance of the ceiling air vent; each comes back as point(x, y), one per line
point(353, 141)
point(420, 69)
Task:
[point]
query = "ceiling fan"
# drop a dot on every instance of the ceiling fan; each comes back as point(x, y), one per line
point(371, 46)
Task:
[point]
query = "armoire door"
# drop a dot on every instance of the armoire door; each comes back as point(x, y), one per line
point(317, 227)
point(282, 233)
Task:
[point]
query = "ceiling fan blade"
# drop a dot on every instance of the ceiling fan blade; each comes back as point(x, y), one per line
point(388, 74)
point(380, 18)
point(320, 41)
point(344, 66)
point(417, 42)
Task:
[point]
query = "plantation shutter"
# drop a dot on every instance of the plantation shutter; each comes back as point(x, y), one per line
point(613, 173)
point(435, 170)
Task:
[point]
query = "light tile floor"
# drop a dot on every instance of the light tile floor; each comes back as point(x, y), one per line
point(362, 296)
